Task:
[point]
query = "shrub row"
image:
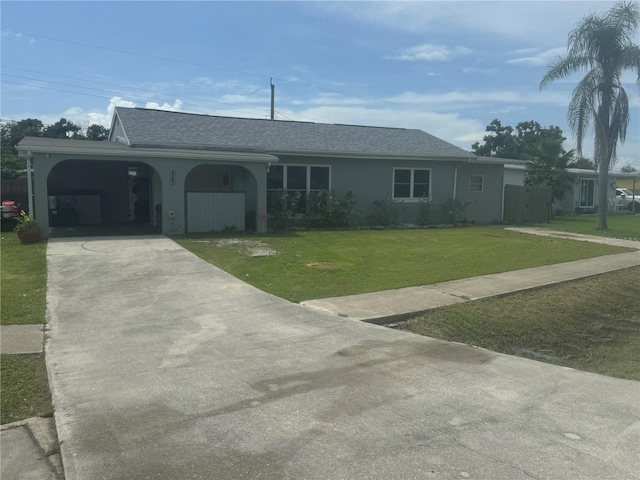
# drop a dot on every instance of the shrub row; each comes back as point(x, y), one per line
point(327, 209)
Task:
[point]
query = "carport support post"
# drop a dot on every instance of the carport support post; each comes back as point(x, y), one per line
point(30, 183)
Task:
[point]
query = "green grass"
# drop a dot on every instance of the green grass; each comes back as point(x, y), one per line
point(24, 281)
point(591, 324)
point(371, 260)
point(25, 390)
point(620, 226)
point(23, 378)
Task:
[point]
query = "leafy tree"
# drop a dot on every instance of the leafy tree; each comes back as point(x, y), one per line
point(13, 166)
point(507, 142)
point(63, 128)
point(547, 166)
point(628, 168)
point(583, 163)
point(97, 132)
point(602, 44)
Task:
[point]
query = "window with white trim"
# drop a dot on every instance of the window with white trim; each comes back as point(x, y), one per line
point(476, 183)
point(411, 183)
point(298, 178)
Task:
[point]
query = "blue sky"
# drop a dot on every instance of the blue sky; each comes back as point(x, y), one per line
point(448, 68)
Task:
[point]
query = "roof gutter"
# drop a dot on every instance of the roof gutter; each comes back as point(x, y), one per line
point(366, 156)
point(148, 152)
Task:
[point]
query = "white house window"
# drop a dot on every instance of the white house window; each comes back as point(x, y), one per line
point(587, 192)
point(300, 178)
point(476, 183)
point(411, 183)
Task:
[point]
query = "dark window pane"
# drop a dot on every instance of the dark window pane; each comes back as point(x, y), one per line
point(401, 191)
point(274, 177)
point(420, 191)
point(296, 178)
point(421, 176)
point(402, 176)
point(319, 178)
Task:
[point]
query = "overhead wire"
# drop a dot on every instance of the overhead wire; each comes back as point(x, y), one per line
point(187, 62)
point(131, 95)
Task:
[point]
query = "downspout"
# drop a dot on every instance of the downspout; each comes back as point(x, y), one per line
point(30, 183)
point(455, 177)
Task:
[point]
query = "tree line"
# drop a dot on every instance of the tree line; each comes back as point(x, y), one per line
point(13, 166)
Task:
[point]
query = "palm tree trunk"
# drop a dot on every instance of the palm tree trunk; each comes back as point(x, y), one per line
point(603, 199)
point(603, 129)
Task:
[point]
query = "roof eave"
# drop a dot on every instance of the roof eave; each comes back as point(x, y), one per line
point(125, 151)
point(368, 156)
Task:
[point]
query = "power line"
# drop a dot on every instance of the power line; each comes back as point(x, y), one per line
point(240, 72)
point(120, 93)
point(85, 94)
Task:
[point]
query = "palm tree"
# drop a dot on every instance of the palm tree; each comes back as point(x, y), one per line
point(602, 44)
point(547, 166)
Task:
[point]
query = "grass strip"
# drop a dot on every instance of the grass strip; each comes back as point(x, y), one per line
point(590, 324)
point(624, 226)
point(321, 264)
point(25, 389)
point(24, 280)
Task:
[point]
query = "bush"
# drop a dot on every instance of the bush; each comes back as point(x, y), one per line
point(387, 212)
point(453, 210)
point(328, 209)
point(424, 211)
point(282, 207)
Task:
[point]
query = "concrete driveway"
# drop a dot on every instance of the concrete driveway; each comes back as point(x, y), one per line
point(165, 367)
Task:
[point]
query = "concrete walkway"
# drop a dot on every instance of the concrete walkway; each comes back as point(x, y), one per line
point(163, 366)
point(403, 303)
point(21, 339)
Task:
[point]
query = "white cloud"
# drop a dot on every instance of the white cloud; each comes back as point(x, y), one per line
point(545, 23)
point(539, 59)
point(430, 52)
point(172, 107)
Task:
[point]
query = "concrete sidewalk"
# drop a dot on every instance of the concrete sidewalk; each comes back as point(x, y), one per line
point(21, 339)
point(163, 366)
point(30, 450)
point(400, 304)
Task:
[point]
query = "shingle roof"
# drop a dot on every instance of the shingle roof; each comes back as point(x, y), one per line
point(160, 128)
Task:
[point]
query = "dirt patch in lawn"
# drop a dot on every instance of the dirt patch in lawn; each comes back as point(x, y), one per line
point(251, 248)
point(322, 265)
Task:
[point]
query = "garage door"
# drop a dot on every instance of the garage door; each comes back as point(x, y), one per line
point(212, 212)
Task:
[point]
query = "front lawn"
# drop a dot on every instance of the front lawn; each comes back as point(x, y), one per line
point(321, 264)
point(23, 378)
point(25, 389)
point(591, 324)
point(24, 281)
point(623, 226)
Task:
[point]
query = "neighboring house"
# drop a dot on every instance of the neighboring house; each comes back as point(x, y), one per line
point(630, 181)
point(583, 195)
point(197, 173)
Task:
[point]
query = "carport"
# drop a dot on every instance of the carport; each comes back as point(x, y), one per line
point(82, 187)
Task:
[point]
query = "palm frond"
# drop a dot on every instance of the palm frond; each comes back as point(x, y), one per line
point(563, 67)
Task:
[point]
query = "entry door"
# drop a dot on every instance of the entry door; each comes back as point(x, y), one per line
point(587, 192)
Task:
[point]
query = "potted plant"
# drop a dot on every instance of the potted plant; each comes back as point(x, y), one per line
point(27, 229)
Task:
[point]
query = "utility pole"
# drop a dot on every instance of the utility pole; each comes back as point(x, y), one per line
point(273, 98)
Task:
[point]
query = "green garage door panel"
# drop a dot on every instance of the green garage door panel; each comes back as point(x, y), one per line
point(212, 212)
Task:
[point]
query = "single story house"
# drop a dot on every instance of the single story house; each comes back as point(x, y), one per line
point(583, 195)
point(185, 173)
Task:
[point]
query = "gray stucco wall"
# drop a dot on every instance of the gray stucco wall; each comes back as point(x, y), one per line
point(169, 184)
point(485, 206)
point(372, 180)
